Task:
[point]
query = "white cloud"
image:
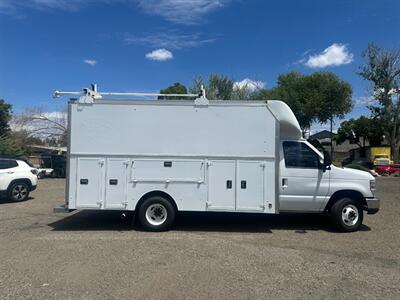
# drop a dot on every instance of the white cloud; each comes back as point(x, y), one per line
point(334, 55)
point(171, 39)
point(90, 62)
point(12, 6)
point(181, 11)
point(160, 55)
point(364, 101)
point(176, 11)
point(250, 84)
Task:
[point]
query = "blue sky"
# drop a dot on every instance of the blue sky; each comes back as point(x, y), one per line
point(138, 45)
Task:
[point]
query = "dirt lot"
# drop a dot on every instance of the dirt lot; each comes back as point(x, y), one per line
point(91, 255)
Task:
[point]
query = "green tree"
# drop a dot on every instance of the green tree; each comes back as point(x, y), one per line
point(331, 96)
point(218, 87)
point(382, 68)
point(361, 130)
point(176, 88)
point(5, 117)
point(9, 147)
point(318, 97)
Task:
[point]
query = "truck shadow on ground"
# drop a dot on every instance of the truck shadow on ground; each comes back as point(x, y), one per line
point(195, 221)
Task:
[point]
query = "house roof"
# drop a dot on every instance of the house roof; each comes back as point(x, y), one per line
point(324, 134)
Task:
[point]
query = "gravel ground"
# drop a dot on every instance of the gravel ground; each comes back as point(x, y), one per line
point(97, 255)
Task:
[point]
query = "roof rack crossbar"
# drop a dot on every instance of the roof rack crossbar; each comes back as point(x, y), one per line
point(88, 95)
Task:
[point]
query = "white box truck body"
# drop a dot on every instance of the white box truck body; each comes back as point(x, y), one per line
point(233, 156)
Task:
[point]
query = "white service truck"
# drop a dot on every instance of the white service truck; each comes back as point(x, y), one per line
point(159, 157)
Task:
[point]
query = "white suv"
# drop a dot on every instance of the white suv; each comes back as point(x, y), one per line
point(17, 179)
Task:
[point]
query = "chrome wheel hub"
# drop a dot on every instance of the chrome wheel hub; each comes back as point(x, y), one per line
point(156, 214)
point(350, 215)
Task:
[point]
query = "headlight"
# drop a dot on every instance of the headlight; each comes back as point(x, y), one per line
point(372, 185)
point(34, 171)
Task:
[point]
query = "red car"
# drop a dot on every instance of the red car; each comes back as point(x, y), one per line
point(388, 169)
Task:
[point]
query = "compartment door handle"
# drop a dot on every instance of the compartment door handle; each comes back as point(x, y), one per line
point(229, 184)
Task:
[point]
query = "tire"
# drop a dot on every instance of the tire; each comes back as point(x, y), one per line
point(18, 191)
point(347, 215)
point(156, 214)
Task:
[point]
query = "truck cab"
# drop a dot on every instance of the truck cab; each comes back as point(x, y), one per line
point(309, 182)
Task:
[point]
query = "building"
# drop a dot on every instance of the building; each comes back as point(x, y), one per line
point(341, 151)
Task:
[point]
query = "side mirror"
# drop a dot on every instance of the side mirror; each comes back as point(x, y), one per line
point(327, 161)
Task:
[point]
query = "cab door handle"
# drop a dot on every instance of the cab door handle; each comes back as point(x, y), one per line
point(284, 182)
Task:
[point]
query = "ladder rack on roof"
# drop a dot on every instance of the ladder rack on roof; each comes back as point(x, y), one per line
point(88, 95)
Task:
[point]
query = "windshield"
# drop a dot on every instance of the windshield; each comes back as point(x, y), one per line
point(380, 156)
point(315, 149)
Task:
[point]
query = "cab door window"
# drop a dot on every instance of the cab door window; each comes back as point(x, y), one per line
point(299, 155)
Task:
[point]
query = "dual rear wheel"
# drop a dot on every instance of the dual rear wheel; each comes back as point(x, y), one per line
point(156, 214)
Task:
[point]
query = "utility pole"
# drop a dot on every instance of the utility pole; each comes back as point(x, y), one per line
point(331, 137)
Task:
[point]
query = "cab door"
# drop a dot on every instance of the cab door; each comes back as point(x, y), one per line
point(304, 186)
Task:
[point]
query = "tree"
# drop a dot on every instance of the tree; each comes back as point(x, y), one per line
point(176, 88)
point(360, 130)
point(218, 87)
point(36, 123)
point(318, 97)
point(382, 68)
point(5, 117)
point(331, 98)
point(9, 147)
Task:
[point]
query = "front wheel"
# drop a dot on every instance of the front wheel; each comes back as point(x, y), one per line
point(18, 191)
point(156, 214)
point(347, 215)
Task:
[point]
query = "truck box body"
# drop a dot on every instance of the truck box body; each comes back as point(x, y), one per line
point(159, 157)
point(223, 156)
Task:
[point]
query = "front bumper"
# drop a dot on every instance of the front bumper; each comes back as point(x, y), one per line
point(373, 205)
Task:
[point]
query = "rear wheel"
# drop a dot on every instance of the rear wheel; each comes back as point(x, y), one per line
point(18, 191)
point(347, 215)
point(156, 214)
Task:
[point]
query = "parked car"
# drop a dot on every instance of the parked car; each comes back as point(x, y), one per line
point(388, 169)
point(45, 172)
point(17, 179)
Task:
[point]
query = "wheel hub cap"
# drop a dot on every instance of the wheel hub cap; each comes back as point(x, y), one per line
point(350, 215)
point(156, 214)
point(19, 192)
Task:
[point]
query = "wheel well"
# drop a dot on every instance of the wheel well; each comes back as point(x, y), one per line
point(156, 193)
point(355, 195)
point(24, 180)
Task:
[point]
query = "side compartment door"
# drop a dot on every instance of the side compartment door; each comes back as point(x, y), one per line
point(250, 186)
point(221, 185)
point(90, 183)
point(116, 183)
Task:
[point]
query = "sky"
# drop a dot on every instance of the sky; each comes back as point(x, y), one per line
point(147, 45)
